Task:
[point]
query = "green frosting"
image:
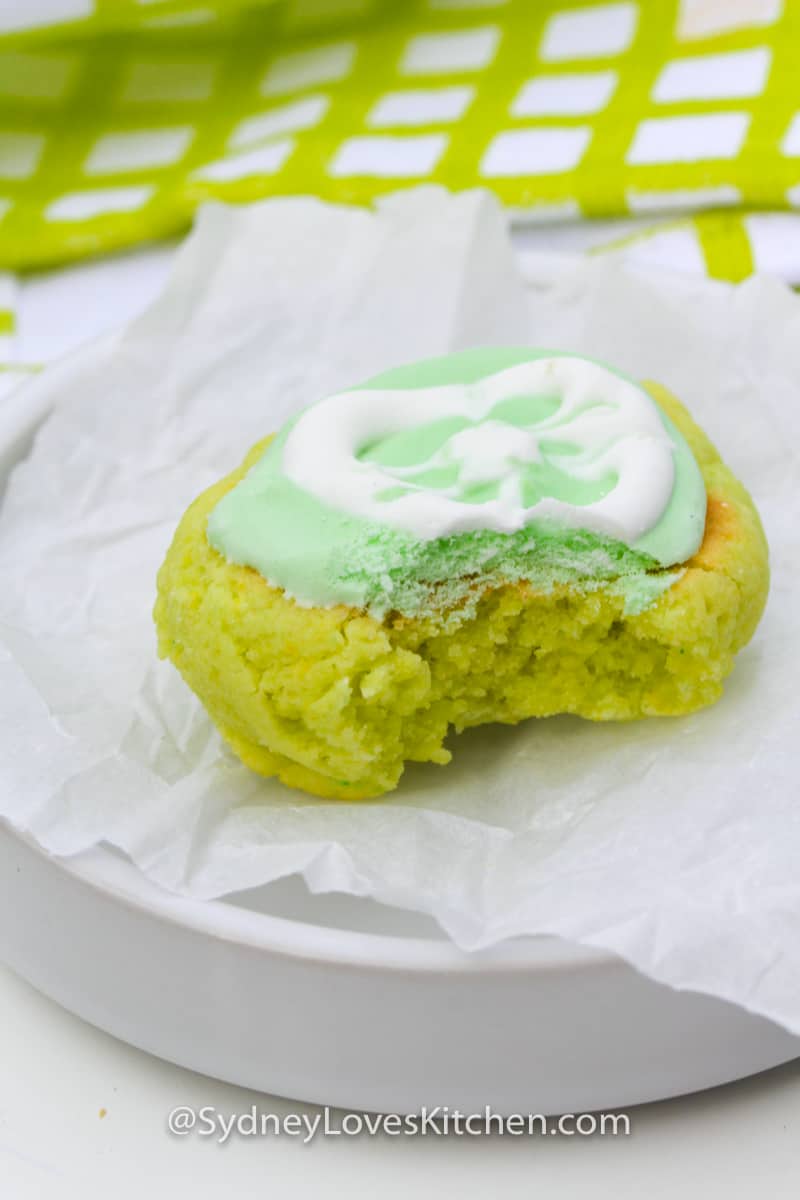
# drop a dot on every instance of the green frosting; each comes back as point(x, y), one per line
point(322, 555)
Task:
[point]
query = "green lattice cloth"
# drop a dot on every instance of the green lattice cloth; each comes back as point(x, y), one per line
point(118, 118)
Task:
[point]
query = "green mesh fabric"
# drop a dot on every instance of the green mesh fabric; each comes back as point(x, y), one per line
point(118, 118)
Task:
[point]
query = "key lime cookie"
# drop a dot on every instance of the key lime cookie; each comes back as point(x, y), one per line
point(486, 537)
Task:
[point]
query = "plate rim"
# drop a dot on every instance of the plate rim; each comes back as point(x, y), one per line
point(223, 920)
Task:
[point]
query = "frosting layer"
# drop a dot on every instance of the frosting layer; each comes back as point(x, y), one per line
point(507, 464)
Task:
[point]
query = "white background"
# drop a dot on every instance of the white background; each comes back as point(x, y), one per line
point(58, 1073)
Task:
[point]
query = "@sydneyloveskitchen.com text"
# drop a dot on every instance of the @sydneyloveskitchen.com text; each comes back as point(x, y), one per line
point(438, 1120)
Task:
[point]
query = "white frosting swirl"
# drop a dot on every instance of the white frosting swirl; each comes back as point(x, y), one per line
point(612, 426)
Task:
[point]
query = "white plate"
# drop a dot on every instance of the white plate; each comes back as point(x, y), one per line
point(343, 1001)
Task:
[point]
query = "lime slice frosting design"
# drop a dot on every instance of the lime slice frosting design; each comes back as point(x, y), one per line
point(500, 465)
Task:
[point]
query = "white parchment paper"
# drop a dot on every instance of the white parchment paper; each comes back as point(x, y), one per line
point(675, 843)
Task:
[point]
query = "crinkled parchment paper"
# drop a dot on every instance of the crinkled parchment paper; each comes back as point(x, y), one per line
point(675, 843)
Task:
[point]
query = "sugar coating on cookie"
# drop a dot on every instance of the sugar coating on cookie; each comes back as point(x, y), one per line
point(558, 616)
point(514, 464)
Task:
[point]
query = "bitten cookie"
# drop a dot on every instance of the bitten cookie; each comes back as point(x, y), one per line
point(487, 537)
